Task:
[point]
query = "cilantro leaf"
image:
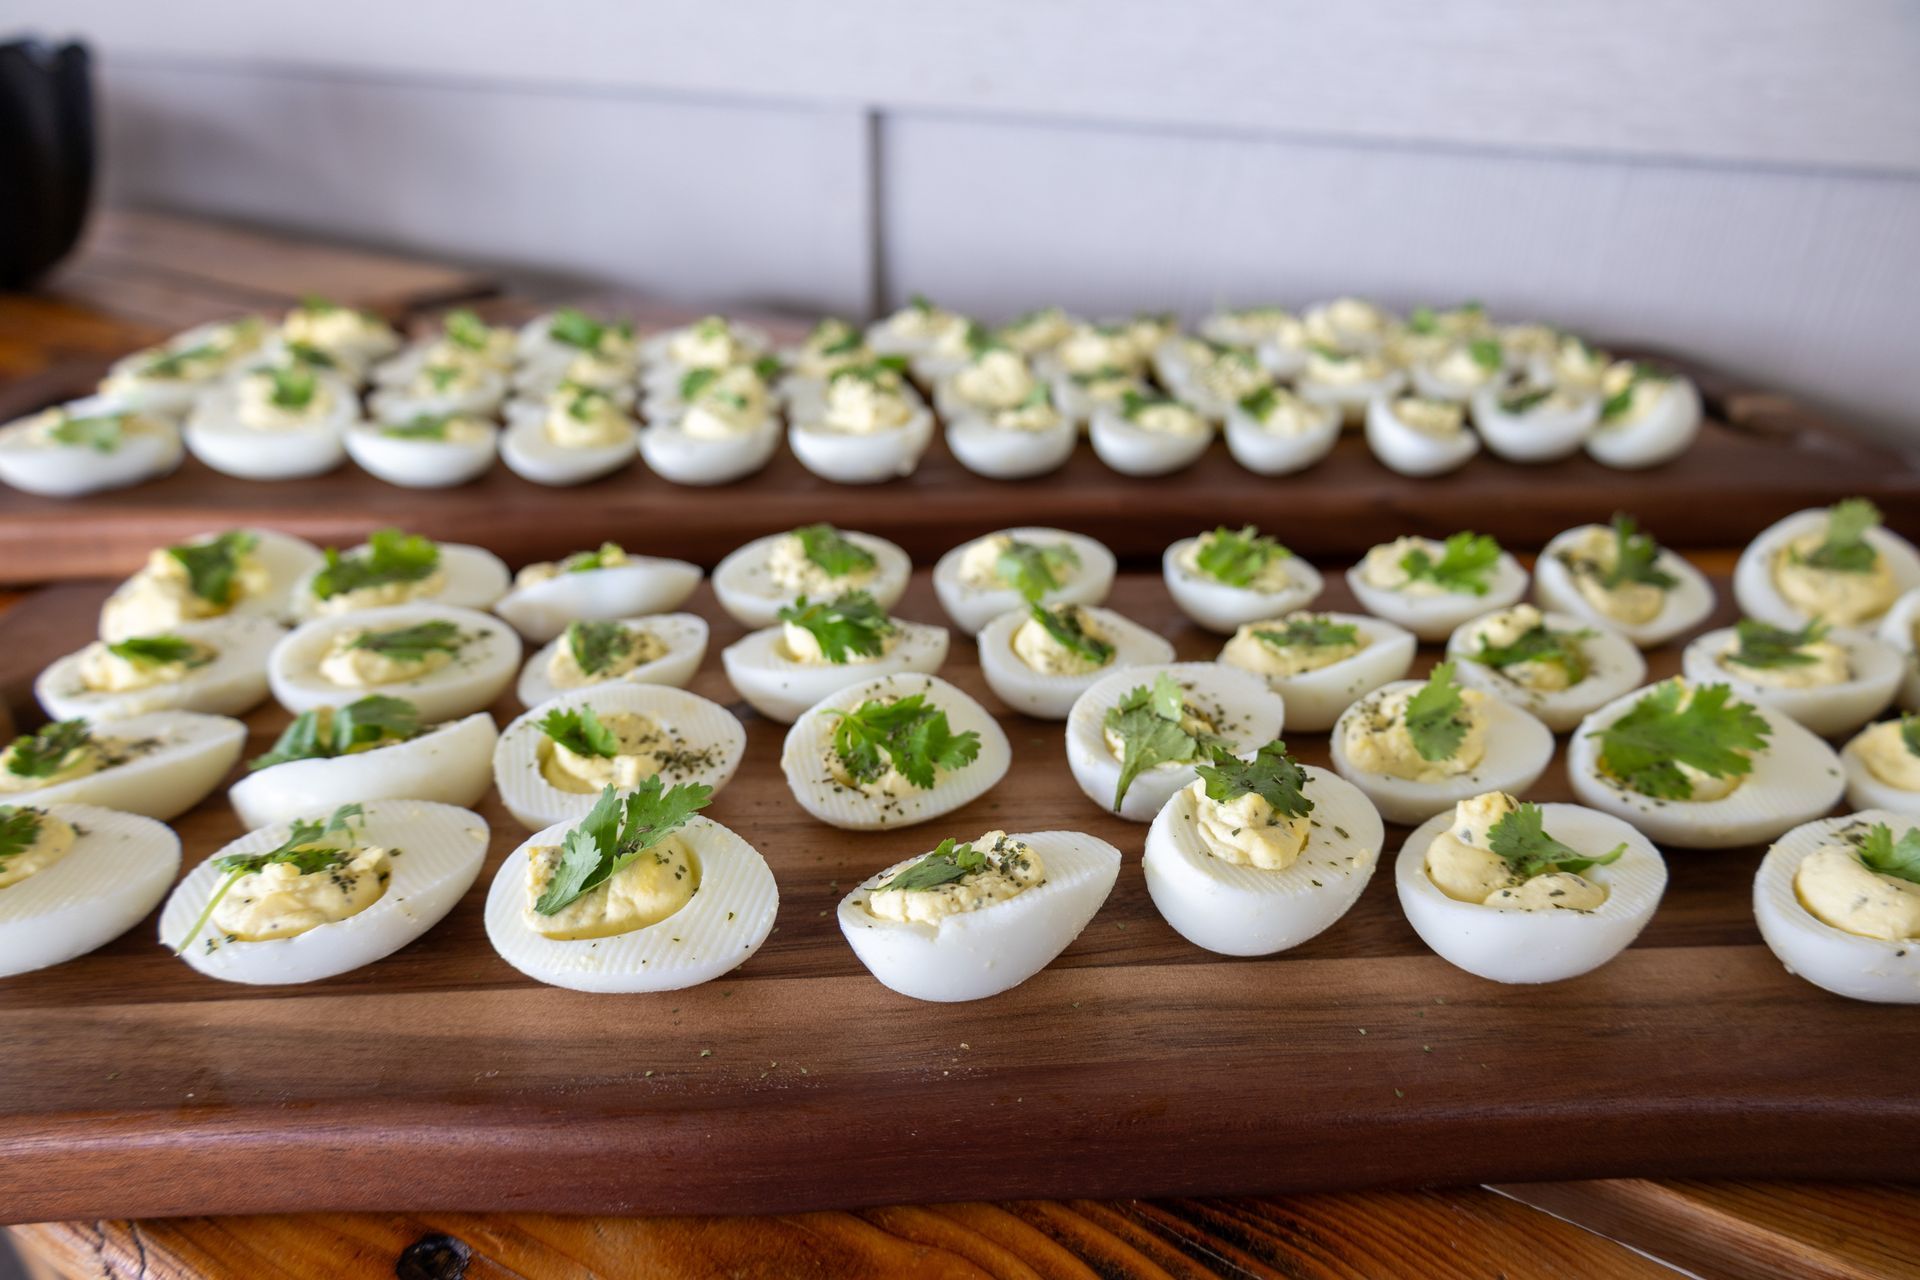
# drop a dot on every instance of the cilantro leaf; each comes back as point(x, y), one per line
point(853, 623)
point(310, 846)
point(373, 721)
point(1539, 644)
point(615, 833)
point(159, 651)
point(1309, 632)
point(1259, 403)
point(423, 426)
point(580, 731)
point(575, 328)
point(294, 386)
point(1237, 557)
point(467, 331)
point(1150, 722)
point(1636, 558)
point(213, 566)
point(1845, 548)
point(1487, 354)
point(597, 645)
point(308, 354)
point(1435, 716)
point(1645, 748)
point(836, 554)
point(390, 556)
point(1520, 837)
point(1897, 858)
point(1134, 403)
point(1069, 631)
point(1523, 400)
point(910, 734)
point(1910, 734)
point(1272, 775)
point(605, 555)
point(411, 643)
point(1622, 400)
point(19, 828)
point(949, 862)
point(1763, 646)
point(695, 381)
point(1033, 570)
point(101, 433)
point(1465, 564)
point(175, 364)
point(43, 754)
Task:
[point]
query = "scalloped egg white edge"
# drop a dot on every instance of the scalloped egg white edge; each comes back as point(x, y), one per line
point(1685, 607)
point(61, 912)
point(452, 763)
point(1519, 749)
point(448, 692)
point(196, 753)
point(751, 608)
point(684, 634)
point(1759, 598)
point(1829, 709)
point(232, 684)
point(1051, 697)
point(1846, 964)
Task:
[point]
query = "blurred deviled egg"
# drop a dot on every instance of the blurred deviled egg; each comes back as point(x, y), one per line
point(1348, 381)
point(1275, 333)
point(1275, 432)
point(1460, 370)
point(914, 328)
point(86, 446)
point(213, 665)
point(165, 379)
point(980, 580)
point(464, 338)
point(1320, 663)
point(578, 433)
point(448, 662)
point(1838, 901)
point(393, 567)
point(74, 877)
point(1533, 422)
point(1418, 436)
point(569, 345)
point(1647, 417)
point(1032, 333)
point(1039, 660)
point(1882, 765)
point(1619, 577)
point(1227, 578)
point(871, 426)
point(247, 573)
point(1148, 435)
point(1348, 324)
point(1432, 587)
point(350, 339)
point(277, 422)
point(441, 387)
point(711, 342)
point(159, 764)
point(822, 646)
point(1552, 664)
point(755, 581)
point(1899, 630)
point(720, 427)
point(658, 649)
point(1839, 566)
point(593, 586)
point(1830, 681)
point(429, 451)
point(1015, 441)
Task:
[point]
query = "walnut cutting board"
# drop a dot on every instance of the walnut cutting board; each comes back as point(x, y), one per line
point(1136, 1065)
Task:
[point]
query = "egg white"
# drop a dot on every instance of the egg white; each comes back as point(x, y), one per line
point(1250, 911)
point(1753, 584)
point(73, 471)
point(1541, 435)
point(699, 723)
point(1224, 609)
point(118, 869)
point(972, 608)
point(1662, 435)
point(684, 634)
point(1433, 617)
point(845, 457)
point(1350, 399)
point(1276, 453)
point(1256, 713)
point(532, 454)
point(1795, 778)
point(995, 948)
point(747, 591)
point(287, 562)
point(193, 753)
point(1874, 969)
point(475, 579)
point(719, 929)
point(652, 350)
point(1073, 400)
point(1049, 696)
point(1401, 448)
point(675, 456)
point(232, 684)
point(473, 681)
point(451, 763)
point(1829, 709)
point(1316, 698)
point(780, 689)
point(1866, 790)
point(1614, 667)
point(642, 585)
point(440, 849)
point(420, 464)
point(1005, 453)
point(216, 436)
point(1685, 606)
point(1896, 630)
point(803, 758)
point(1518, 750)
point(1507, 945)
point(394, 404)
point(1134, 451)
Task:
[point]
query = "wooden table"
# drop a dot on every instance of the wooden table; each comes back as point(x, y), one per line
point(177, 272)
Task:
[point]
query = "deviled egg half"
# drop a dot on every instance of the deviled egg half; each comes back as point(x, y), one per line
point(320, 896)
point(243, 573)
point(464, 339)
point(757, 580)
point(1523, 893)
point(822, 646)
point(1527, 421)
point(1647, 417)
point(593, 586)
point(1348, 325)
point(1693, 766)
point(994, 377)
point(427, 451)
point(1347, 382)
point(1882, 765)
point(1900, 631)
point(212, 665)
point(1147, 435)
point(970, 919)
point(1032, 333)
point(281, 421)
point(348, 338)
point(1135, 736)
point(640, 894)
point(1838, 901)
point(1321, 663)
point(376, 747)
point(1418, 747)
point(1273, 332)
point(1258, 855)
point(1432, 587)
point(663, 648)
point(1210, 376)
point(86, 446)
point(1014, 442)
point(447, 662)
point(1417, 436)
point(893, 752)
point(569, 345)
point(165, 379)
point(1618, 577)
point(73, 877)
point(711, 342)
point(1274, 432)
point(914, 328)
point(1839, 566)
point(439, 387)
point(720, 425)
point(1830, 681)
point(1554, 665)
point(554, 759)
point(871, 426)
point(393, 568)
point(980, 580)
point(1040, 659)
point(576, 434)
point(160, 764)
point(1227, 578)
point(1460, 369)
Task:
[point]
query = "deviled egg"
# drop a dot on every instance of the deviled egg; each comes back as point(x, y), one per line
point(640, 894)
point(247, 573)
point(376, 747)
point(1081, 395)
point(1838, 566)
point(1459, 370)
point(871, 427)
point(1693, 766)
point(1227, 578)
point(914, 328)
point(86, 446)
point(1040, 659)
point(1348, 381)
point(1534, 422)
point(755, 581)
point(1838, 901)
point(1147, 435)
point(893, 752)
point(1900, 631)
point(74, 877)
point(464, 338)
point(159, 764)
point(711, 342)
point(593, 586)
point(553, 760)
point(721, 427)
point(277, 422)
point(1882, 764)
point(1524, 893)
point(350, 338)
point(1553, 664)
point(1321, 663)
point(1619, 577)
point(1211, 377)
point(447, 662)
point(1647, 417)
point(1274, 333)
point(570, 345)
point(659, 649)
point(425, 452)
point(165, 379)
point(440, 388)
point(980, 580)
point(968, 920)
point(1014, 442)
point(993, 378)
point(1134, 737)
point(1416, 436)
point(320, 896)
point(579, 433)
point(1274, 432)
point(1256, 856)
point(1034, 332)
point(822, 646)
point(1348, 325)
point(392, 568)
point(1830, 681)
point(1432, 587)
point(212, 665)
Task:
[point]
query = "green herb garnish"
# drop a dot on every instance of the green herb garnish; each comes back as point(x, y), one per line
point(853, 623)
point(1070, 633)
point(1272, 775)
point(1636, 558)
point(1487, 354)
point(467, 331)
point(1520, 837)
point(390, 556)
point(373, 721)
point(1539, 644)
point(423, 426)
point(1712, 734)
point(19, 828)
point(1309, 633)
point(1845, 548)
point(43, 754)
point(614, 834)
point(1238, 557)
point(949, 862)
point(1524, 400)
point(294, 386)
point(101, 433)
point(575, 328)
point(312, 847)
point(213, 566)
point(837, 555)
point(1897, 858)
point(607, 554)
point(1435, 716)
point(1033, 570)
point(1766, 647)
point(580, 731)
point(1910, 734)
point(909, 734)
point(597, 645)
point(1466, 560)
point(1622, 400)
point(1150, 722)
point(160, 651)
point(1259, 403)
point(694, 381)
point(411, 643)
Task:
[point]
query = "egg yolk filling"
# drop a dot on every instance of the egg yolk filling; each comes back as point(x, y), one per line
point(1040, 650)
point(1842, 598)
point(1461, 863)
point(584, 417)
point(128, 666)
point(1247, 830)
point(730, 406)
point(795, 573)
point(708, 343)
point(1519, 645)
point(1591, 561)
point(281, 901)
point(1842, 891)
point(1166, 418)
point(379, 595)
point(860, 406)
point(161, 595)
point(1435, 419)
point(1385, 567)
point(643, 747)
point(1888, 755)
point(282, 399)
point(1816, 663)
point(36, 839)
point(1291, 647)
point(334, 329)
point(592, 652)
point(1377, 739)
point(958, 878)
point(998, 379)
point(352, 663)
point(800, 645)
point(29, 764)
point(655, 885)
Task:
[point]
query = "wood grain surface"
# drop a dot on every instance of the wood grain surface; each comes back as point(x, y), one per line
point(1136, 1065)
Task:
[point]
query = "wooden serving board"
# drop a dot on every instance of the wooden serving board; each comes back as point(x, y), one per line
point(1136, 1065)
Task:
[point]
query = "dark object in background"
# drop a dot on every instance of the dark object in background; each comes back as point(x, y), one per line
point(46, 155)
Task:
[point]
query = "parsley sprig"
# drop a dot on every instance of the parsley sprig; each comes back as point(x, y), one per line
point(1897, 858)
point(19, 828)
point(101, 433)
point(949, 862)
point(606, 555)
point(213, 567)
point(1066, 625)
point(1436, 716)
point(1763, 646)
point(1237, 556)
point(1308, 632)
point(1539, 643)
point(376, 720)
point(910, 735)
point(422, 426)
point(614, 834)
point(1521, 838)
point(595, 646)
point(1272, 775)
point(1636, 558)
point(1910, 734)
point(43, 754)
point(160, 651)
point(580, 731)
point(1033, 570)
point(1150, 721)
point(1665, 729)
point(852, 623)
point(390, 556)
point(837, 555)
point(413, 643)
point(1845, 549)
point(575, 328)
point(310, 846)
point(1464, 567)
